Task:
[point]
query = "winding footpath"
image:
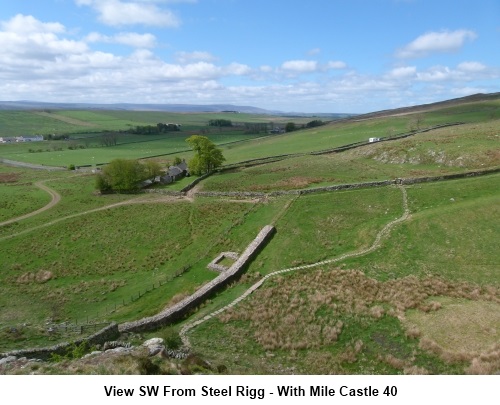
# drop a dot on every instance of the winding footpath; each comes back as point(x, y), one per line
point(137, 200)
point(375, 245)
point(55, 200)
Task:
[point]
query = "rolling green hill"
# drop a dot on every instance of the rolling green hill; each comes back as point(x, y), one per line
point(371, 275)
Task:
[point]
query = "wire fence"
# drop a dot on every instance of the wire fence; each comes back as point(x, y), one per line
point(95, 322)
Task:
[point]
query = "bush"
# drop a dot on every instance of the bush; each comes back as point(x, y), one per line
point(172, 339)
point(101, 183)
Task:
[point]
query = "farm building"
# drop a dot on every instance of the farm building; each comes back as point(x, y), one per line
point(175, 173)
point(36, 138)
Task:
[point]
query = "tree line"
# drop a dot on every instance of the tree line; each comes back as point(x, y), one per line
point(124, 175)
point(159, 128)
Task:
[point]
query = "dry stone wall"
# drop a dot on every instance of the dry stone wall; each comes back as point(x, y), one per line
point(180, 309)
point(246, 194)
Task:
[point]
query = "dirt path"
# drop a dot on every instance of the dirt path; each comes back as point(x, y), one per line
point(16, 163)
point(375, 245)
point(191, 193)
point(55, 199)
point(138, 200)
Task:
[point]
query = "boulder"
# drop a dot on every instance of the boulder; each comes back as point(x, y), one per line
point(8, 359)
point(153, 342)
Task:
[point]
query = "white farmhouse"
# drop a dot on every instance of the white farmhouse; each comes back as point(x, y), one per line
point(36, 138)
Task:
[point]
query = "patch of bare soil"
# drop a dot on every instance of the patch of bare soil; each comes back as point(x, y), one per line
point(40, 277)
point(9, 177)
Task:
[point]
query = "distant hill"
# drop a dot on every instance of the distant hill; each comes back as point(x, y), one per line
point(37, 105)
point(195, 108)
point(429, 107)
point(230, 108)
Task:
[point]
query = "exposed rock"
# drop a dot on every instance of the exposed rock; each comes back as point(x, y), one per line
point(154, 350)
point(115, 344)
point(153, 342)
point(95, 353)
point(118, 350)
point(8, 359)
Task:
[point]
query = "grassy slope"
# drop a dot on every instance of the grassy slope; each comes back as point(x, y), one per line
point(18, 195)
point(295, 317)
point(329, 136)
point(314, 227)
point(341, 133)
point(85, 128)
point(453, 232)
point(443, 151)
point(100, 259)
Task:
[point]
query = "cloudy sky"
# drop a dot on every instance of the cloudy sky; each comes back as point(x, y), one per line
point(291, 55)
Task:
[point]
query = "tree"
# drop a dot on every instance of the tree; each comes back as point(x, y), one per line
point(152, 169)
point(314, 123)
point(220, 123)
point(101, 183)
point(207, 156)
point(109, 139)
point(121, 175)
point(290, 126)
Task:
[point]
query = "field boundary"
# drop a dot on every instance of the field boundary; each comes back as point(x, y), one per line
point(34, 166)
point(375, 245)
point(348, 186)
point(179, 310)
point(338, 149)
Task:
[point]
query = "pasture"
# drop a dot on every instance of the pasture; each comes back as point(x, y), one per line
point(94, 258)
point(378, 313)
point(85, 131)
point(438, 152)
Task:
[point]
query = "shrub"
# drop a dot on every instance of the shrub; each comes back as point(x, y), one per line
point(172, 339)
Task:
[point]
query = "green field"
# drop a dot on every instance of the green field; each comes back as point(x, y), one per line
point(439, 152)
point(85, 131)
point(120, 257)
point(352, 321)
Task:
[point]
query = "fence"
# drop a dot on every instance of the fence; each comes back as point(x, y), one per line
point(180, 309)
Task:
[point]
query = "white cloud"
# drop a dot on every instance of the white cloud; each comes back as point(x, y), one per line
point(125, 38)
point(131, 12)
point(300, 66)
point(464, 72)
point(40, 60)
point(27, 24)
point(404, 72)
point(237, 69)
point(467, 91)
point(25, 39)
point(436, 42)
point(336, 65)
point(471, 67)
point(188, 57)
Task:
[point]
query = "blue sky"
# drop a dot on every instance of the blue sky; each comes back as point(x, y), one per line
point(311, 56)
